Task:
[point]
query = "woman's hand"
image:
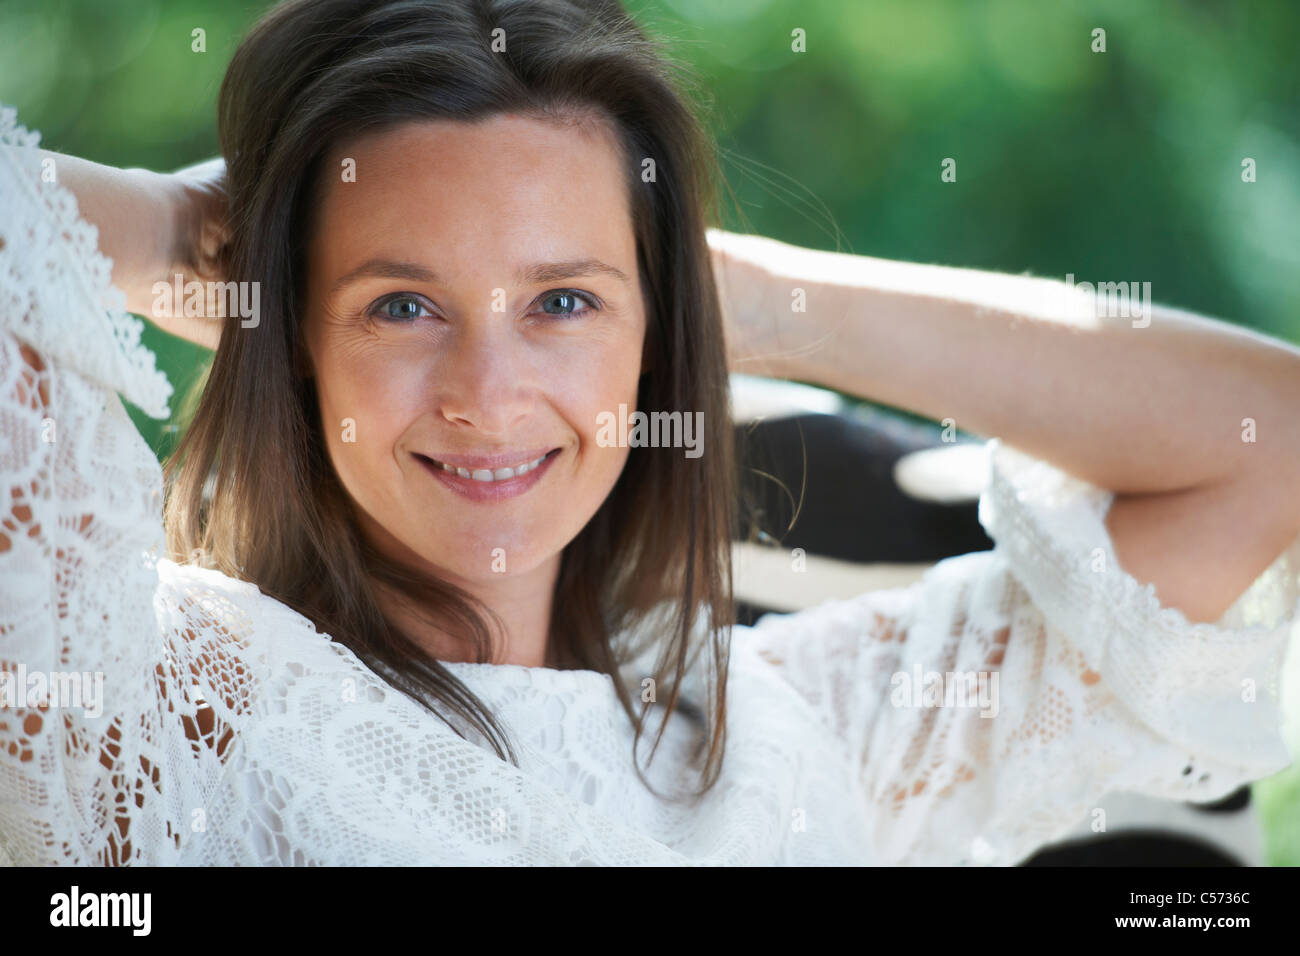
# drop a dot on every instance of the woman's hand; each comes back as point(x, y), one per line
point(203, 235)
point(200, 245)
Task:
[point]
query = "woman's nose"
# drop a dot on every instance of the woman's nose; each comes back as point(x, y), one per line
point(487, 380)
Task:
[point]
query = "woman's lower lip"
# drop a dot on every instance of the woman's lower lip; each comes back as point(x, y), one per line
point(489, 490)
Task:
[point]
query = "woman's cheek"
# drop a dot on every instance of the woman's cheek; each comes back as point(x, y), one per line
point(610, 377)
point(357, 408)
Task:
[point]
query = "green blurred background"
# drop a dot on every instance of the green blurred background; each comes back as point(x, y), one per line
point(1122, 165)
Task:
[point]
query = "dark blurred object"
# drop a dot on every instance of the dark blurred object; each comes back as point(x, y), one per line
point(1133, 848)
point(849, 504)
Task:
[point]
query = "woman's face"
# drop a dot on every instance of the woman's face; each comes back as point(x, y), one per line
point(473, 299)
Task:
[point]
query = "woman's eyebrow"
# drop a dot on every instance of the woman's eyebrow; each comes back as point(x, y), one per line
point(532, 274)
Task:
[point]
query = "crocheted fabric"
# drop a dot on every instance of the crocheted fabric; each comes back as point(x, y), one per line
point(230, 731)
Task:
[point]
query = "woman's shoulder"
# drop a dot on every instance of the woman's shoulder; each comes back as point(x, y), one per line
point(191, 584)
point(181, 580)
point(229, 625)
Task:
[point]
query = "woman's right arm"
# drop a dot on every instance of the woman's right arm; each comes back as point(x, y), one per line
point(154, 226)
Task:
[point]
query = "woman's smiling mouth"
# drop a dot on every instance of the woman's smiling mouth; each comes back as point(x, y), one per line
point(489, 478)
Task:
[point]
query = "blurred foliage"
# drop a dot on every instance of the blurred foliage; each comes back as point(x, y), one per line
point(1122, 165)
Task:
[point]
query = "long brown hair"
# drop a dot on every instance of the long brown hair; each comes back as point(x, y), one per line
point(313, 73)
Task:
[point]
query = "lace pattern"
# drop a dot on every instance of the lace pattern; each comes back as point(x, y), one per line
point(233, 732)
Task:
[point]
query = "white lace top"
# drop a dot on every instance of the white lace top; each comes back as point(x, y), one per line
point(233, 732)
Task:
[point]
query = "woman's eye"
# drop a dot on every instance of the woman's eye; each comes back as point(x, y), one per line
point(404, 307)
point(567, 303)
point(398, 308)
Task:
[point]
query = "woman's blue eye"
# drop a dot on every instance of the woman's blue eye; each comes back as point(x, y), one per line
point(570, 302)
point(399, 308)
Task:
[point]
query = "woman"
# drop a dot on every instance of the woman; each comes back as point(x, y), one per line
point(425, 607)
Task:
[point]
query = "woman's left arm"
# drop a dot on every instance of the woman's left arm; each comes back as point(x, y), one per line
point(1193, 423)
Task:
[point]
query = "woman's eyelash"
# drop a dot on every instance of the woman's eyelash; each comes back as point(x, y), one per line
point(380, 307)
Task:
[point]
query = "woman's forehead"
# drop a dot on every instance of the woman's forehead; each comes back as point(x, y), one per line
point(480, 188)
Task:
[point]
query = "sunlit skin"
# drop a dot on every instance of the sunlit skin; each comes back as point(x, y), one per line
point(437, 370)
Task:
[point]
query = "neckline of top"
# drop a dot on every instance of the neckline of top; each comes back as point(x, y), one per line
point(535, 676)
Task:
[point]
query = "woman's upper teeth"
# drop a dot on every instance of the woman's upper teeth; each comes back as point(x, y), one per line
point(494, 474)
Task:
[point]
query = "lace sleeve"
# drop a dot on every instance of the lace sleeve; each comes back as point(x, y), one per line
point(85, 719)
point(55, 289)
point(991, 705)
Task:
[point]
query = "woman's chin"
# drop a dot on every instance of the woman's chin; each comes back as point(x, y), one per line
point(485, 561)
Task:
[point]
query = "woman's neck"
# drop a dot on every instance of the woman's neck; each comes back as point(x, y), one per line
point(522, 601)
